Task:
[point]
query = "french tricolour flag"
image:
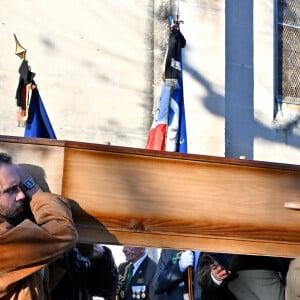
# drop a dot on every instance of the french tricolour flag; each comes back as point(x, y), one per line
point(168, 130)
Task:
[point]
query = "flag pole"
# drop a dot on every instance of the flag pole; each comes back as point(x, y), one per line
point(190, 283)
point(190, 268)
point(177, 11)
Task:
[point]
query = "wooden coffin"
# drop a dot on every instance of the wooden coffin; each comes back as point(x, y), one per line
point(169, 200)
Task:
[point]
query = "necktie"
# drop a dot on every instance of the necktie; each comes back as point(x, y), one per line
point(129, 275)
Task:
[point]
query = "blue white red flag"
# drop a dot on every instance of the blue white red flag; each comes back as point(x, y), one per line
point(31, 112)
point(168, 130)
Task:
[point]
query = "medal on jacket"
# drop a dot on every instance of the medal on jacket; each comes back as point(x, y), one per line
point(122, 294)
point(138, 291)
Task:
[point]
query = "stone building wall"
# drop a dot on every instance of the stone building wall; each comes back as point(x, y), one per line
point(98, 68)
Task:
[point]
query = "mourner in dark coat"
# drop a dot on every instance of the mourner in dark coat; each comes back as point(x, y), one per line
point(86, 271)
point(139, 284)
point(213, 276)
point(171, 277)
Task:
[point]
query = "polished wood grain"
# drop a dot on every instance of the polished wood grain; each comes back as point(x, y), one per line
point(162, 199)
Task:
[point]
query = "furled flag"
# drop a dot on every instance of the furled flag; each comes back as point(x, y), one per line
point(38, 123)
point(168, 130)
point(31, 112)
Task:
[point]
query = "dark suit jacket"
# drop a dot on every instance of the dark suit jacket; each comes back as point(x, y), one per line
point(210, 290)
point(168, 280)
point(142, 276)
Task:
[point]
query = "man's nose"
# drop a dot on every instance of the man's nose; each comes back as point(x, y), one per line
point(20, 195)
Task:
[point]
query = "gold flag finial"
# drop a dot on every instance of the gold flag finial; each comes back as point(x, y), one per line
point(20, 50)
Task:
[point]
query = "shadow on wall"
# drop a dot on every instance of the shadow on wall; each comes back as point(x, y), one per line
point(237, 106)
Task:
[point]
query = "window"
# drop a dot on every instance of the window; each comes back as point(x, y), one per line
point(288, 51)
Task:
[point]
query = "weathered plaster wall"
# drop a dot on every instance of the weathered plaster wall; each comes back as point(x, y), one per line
point(204, 75)
point(98, 68)
point(93, 62)
point(251, 128)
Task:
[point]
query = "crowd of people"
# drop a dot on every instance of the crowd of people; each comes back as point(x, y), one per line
point(41, 258)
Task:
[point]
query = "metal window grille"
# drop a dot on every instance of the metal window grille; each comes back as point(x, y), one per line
point(288, 51)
